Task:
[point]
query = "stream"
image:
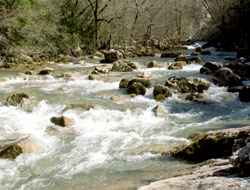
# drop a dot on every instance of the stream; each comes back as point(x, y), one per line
point(112, 145)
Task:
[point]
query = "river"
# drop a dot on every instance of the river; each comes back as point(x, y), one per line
point(111, 145)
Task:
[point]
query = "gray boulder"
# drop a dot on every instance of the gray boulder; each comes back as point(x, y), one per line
point(226, 77)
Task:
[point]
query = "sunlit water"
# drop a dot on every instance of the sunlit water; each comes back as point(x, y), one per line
point(112, 145)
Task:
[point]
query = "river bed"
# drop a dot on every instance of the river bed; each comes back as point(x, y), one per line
point(111, 145)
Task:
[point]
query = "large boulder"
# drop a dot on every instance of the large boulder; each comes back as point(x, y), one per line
point(112, 56)
point(215, 144)
point(62, 121)
point(177, 65)
point(137, 89)
point(145, 82)
point(240, 69)
point(187, 85)
point(226, 77)
point(15, 99)
point(124, 83)
point(161, 92)
point(122, 66)
point(213, 66)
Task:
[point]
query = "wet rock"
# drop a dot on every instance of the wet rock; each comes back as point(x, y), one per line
point(29, 72)
point(177, 65)
point(170, 55)
point(213, 66)
point(46, 71)
point(136, 88)
point(241, 160)
point(244, 94)
point(206, 71)
point(187, 85)
point(234, 89)
point(153, 64)
point(161, 90)
point(15, 99)
point(196, 60)
point(98, 71)
point(160, 97)
point(226, 77)
point(195, 97)
point(241, 69)
point(11, 153)
point(160, 111)
point(121, 67)
point(145, 75)
point(183, 58)
point(62, 121)
point(145, 82)
point(124, 83)
point(112, 56)
point(215, 144)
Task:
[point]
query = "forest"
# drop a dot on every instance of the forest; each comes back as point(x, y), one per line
point(51, 27)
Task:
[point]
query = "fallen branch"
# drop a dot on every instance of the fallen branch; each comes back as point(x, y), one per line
point(14, 142)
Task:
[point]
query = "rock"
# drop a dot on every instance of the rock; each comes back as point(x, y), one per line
point(177, 65)
point(136, 88)
point(244, 94)
point(213, 66)
point(170, 55)
point(234, 89)
point(215, 144)
point(29, 72)
point(241, 69)
point(124, 83)
point(145, 82)
point(153, 64)
point(112, 56)
point(62, 121)
point(160, 97)
point(194, 97)
point(226, 77)
point(120, 98)
point(187, 85)
point(166, 92)
point(121, 67)
point(46, 71)
point(205, 70)
point(98, 71)
point(196, 60)
point(145, 75)
point(12, 152)
point(241, 160)
point(160, 111)
point(67, 76)
point(183, 58)
point(15, 99)
point(216, 175)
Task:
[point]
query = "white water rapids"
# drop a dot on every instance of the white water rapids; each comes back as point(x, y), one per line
point(112, 145)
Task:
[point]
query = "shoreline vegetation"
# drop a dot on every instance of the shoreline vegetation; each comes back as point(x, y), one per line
point(35, 33)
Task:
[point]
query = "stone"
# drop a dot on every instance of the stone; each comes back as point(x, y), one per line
point(213, 66)
point(177, 65)
point(153, 64)
point(183, 58)
point(11, 153)
point(241, 160)
point(187, 85)
point(234, 89)
point(145, 82)
point(98, 71)
point(112, 56)
point(244, 94)
point(160, 97)
point(136, 88)
point(121, 66)
point(205, 70)
point(145, 75)
point(124, 83)
point(160, 111)
point(62, 121)
point(15, 99)
point(46, 71)
point(162, 90)
point(29, 72)
point(195, 60)
point(226, 77)
point(241, 69)
point(214, 144)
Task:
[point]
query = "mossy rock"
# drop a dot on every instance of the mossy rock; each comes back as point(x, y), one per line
point(166, 92)
point(177, 65)
point(183, 58)
point(216, 144)
point(145, 82)
point(196, 60)
point(160, 97)
point(136, 88)
point(124, 83)
point(153, 64)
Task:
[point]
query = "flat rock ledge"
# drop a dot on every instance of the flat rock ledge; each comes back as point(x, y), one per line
point(214, 176)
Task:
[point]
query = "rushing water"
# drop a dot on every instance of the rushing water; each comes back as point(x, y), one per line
point(112, 145)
